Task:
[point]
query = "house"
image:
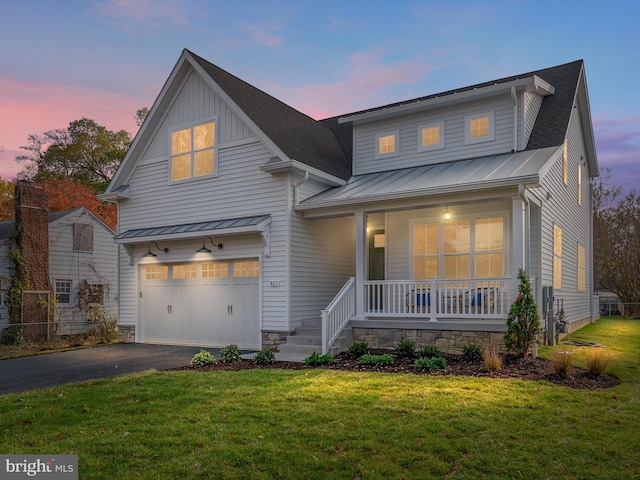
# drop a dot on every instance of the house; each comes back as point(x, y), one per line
point(73, 259)
point(244, 221)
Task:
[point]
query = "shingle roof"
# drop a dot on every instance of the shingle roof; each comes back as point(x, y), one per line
point(300, 137)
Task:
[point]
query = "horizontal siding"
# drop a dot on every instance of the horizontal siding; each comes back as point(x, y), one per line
point(455, 149)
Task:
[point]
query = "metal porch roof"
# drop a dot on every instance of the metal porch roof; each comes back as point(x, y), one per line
point(439, 178)
point(231, 226)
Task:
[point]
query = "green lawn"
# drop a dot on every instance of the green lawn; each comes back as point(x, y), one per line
point(263, 424)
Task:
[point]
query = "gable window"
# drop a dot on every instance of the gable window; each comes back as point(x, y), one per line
point(579, 184)
point(431, 137)
point(193, 151)
point(582, 269)
point(479, 128)
point(82, 237)
point(565, 161)
point(63, 291)
point(557, 257)
point(387, 144)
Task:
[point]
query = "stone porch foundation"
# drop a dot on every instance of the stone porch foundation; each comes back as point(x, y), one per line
point(272, 340)
point(127, 333)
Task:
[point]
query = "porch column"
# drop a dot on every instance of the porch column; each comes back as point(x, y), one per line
point(519, 239)
point(361, 243)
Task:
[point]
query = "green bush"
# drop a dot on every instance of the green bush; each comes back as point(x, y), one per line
point(357, 349)
point(429, 351)
point(264, 357)
point(376, 360)
point(317, 359)
point(471, 353)
point(430, 364)
point(230, 353)
point(405, 349)
point(202, 359)
point(523, 322)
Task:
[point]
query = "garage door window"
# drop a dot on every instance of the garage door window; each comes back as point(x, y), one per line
point(215, 270)
point(185, 271)
point(246, 269)
point(156, 272)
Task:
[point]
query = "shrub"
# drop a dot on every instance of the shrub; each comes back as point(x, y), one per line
point(597, 362)
point(431, 364)
point(523, 322)
point(357, 349)
point(562, 363)
point(429, 351)
point(471, 353)
point(376, 360)
point(405, 349)
point(202, 359)
point(230, 353)
point(317, 359)
point(492, 360)
point(264, 357)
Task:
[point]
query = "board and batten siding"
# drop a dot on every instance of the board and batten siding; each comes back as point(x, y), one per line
point(575, 220)
point(96, 268)
point(365, 161)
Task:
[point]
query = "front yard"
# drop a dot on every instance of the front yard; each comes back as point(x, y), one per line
point(322, 423)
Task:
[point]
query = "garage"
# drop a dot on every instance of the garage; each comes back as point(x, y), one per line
point(212, 303)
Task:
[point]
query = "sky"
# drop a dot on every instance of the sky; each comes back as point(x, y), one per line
point(62, 60)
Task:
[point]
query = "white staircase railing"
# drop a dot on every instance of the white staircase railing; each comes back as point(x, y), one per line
point(338, 314)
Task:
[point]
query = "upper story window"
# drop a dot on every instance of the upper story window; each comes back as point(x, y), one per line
point(387, 144)
point(565, 161)
point(82, 237)
point(582, 269)
point(431, 136)
point(479, 128)
point(557, 257)
point(193, 151)
point(579, 184)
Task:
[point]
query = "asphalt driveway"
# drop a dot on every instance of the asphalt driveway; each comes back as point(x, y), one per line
point(48, 370)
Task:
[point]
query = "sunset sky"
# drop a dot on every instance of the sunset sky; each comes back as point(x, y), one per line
point(61, 60)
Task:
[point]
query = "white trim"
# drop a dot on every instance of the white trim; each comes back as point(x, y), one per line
point(491, 135)
point(396, 146)
point(441, 139)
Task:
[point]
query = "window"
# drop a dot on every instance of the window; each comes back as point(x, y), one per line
point(387, 144)
point(431, 137)
point(95, 294)
point(465, 248)
point(63, 291)
point(215, 270)
point(185, 271)
point(246, 269)
point(193, 151)
point(82, 237)
point(565, 161)
point(557, 257)
point(582, 269)
point(156, 272)
point(579, 184)
point(479, 128)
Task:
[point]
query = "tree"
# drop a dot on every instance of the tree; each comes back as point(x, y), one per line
point(141, 115)
point(7, 191)
point(523, 322)
point(86, 152)
point(616, 232)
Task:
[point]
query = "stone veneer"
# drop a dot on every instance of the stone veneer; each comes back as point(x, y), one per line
point(273, 340)
point(448, 341)
point(127, 333)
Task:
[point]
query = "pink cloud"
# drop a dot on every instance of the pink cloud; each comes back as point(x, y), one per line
point(135, 15)
point(31, 107)
point(366, 84)
point(261, 36)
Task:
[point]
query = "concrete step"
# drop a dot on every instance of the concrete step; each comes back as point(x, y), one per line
point(305, 350)
point(290, 357)
point(312, 331)
point(304, 340)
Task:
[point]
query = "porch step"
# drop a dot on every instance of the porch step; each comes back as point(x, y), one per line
point(308, 339)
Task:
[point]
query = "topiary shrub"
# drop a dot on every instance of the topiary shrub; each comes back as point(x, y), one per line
point(357, 349)
point(429, 351)
point(471, 353)
point(230, 353)
point(376, 360)
point(523, 322)
point(202, 359)
point(317, 359)
point(431, 364)
point(405, 349)
point(264, 357)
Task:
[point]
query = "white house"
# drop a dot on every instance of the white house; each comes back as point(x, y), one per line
point(240, 218)
point(80, 267)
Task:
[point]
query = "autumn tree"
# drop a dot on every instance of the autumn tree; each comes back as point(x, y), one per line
point(7, 191)
point(85, 152)
point(616, 232)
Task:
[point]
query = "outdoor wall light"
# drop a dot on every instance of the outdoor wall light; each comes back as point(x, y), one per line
point(151, 254)
point(204, 249)
point(446, 214)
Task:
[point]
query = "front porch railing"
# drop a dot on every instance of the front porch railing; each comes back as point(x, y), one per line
point(338, 314)
point(439, 298)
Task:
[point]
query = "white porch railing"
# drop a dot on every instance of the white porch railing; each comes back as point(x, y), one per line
point(435, 299)
point(337, 315)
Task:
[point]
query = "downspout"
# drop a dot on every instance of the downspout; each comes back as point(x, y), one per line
point(515, 119)
point(296, 188)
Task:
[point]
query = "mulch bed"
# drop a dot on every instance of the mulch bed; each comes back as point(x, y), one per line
point(513, 367)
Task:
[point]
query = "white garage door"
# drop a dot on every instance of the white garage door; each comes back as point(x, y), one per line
point(204, 303)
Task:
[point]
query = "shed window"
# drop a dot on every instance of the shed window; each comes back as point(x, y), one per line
point(83, 237)
point(431, 137)
point(479, 128)
point(387, 144)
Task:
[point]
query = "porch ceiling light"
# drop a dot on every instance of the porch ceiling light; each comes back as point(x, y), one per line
point(446, 214)
point(204, 249)
point(151, 254)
